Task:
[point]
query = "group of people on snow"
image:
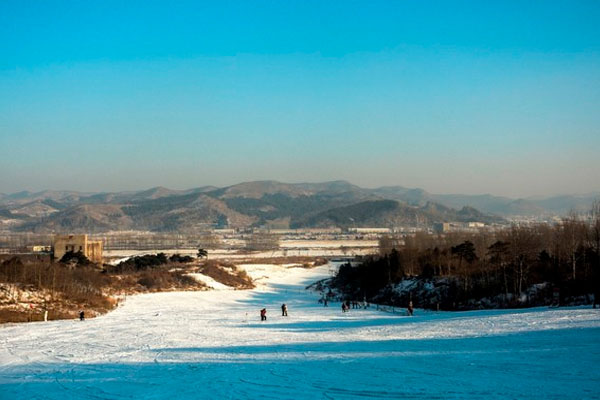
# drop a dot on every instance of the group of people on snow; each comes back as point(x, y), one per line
point(284, 312)
point(346, 305)
point(323, 300)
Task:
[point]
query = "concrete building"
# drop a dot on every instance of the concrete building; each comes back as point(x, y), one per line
point(92, 249)
point(442, 227)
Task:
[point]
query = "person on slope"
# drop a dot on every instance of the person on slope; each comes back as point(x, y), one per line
point(410, 308)
point(284, 310)
point(81, 315)
point(263, 314)
point(344, 307)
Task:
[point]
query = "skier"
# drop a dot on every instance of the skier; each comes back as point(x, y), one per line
point(284, 310)
point(81, 315)
point(410, 308)
point(263, 314)
point(344, 308)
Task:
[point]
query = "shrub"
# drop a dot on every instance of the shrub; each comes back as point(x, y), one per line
point(180, 259)
point(155, 280)
point(77, 258)
point(141, 263)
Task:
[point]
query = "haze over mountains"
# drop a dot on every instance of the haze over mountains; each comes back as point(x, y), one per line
point(265, 203)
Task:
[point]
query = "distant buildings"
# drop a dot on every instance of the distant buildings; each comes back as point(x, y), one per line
point(476, 225)
point(370, 230)
point(92, 249)
point(445, 227)
point(301, 231)
point(41, 249)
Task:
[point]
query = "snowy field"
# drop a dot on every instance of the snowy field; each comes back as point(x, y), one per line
point(212, 345)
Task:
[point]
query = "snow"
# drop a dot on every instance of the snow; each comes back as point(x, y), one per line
point(267, 275)
point(211, 344)
point(210, 282)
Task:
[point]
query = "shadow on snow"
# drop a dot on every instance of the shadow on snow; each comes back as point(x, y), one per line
point(549, 364)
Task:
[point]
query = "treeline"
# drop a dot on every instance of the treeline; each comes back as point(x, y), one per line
point(75, 283)
point(83, 285)
point(148, 261)
point(504, 265)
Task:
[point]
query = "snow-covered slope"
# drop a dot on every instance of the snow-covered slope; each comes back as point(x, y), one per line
point(213, 345)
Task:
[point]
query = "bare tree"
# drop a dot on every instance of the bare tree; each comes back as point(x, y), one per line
point(262, 242)
point(209, 241)
point(465, 252)
point(387, 243)
point(523, 248)
point(498, 253)
point(595, 229)
point(572, 232)
point(595, 240)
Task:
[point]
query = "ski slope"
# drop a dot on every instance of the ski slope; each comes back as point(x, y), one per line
point(212, 345)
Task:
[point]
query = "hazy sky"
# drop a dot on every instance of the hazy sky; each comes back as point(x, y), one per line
point(454, 97)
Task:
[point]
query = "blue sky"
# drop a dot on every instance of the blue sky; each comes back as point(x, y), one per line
point(453, 97)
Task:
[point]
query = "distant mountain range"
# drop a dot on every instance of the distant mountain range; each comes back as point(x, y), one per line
point(264, 203)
